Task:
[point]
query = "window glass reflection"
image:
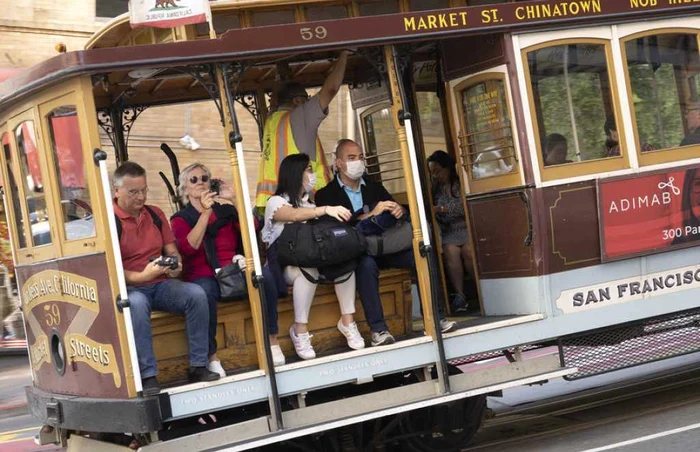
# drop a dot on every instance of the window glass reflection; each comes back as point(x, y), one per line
point(12, 191)
point(660, 69)
point(32, 181)
point(572, 98)
point(67, 149)
point(487, 144)
point(383, 152)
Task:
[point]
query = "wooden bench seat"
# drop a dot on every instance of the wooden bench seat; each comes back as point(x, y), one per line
point(236, 340)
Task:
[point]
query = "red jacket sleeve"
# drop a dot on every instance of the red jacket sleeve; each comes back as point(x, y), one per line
point(181, 229)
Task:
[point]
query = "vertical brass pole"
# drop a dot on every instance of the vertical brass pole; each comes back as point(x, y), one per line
point(421, 263)
point(422, 249)
point(248, 235)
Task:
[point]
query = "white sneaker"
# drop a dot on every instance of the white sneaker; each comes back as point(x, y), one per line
point(302, 344)
point(277, 355)
point(216, 367)
point(352, 334)
point(447, 325)
point(382, 338)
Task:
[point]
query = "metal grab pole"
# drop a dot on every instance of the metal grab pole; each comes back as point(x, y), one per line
point(236, 142)
point(100, 158)
point(427, 249)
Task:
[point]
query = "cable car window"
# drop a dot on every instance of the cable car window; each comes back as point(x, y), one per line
point(662, 69)
point(12, 191)
point(424, 5)
point(328, 12)
point(276, 17)
point(67, 150)
point(383, 151)
point(378, 7)
point(33, 183)
point(485, 2)
point(572, 99)
point(487, 145)
point(432, 126)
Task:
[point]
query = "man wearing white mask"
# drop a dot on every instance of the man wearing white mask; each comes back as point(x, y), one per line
point(367, 198)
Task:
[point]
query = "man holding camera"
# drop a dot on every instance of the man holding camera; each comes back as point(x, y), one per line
point(151, 265)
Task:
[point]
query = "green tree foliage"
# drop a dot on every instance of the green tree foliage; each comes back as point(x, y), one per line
point(656, 105)
point(587, 108)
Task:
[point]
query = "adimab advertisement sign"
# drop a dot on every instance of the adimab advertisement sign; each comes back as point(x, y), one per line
point(168, 13)
point(649, 214)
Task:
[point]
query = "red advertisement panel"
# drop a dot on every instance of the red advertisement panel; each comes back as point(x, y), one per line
point(649, 213)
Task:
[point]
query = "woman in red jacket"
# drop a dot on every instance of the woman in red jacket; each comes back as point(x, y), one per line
point(205, 211)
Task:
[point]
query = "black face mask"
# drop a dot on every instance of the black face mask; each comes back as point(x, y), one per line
point(610, 143)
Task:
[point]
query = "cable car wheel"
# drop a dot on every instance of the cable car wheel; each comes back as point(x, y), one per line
point(445, 427)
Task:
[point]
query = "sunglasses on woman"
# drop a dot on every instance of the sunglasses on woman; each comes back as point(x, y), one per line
point(204, 178)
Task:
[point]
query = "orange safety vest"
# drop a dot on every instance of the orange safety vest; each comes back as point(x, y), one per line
point(278, 142)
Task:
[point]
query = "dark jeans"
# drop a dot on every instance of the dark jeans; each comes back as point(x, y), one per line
point(367, 280)
point(271, 296)
point(211, 288)
point(171, 295)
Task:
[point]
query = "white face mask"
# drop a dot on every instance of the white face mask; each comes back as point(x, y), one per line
point(354, 169)
point(310, 183)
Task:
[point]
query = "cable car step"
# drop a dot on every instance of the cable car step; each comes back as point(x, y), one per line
point(338, 413)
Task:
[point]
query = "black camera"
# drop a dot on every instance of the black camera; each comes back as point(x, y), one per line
point(166, 261)
point(215, 185)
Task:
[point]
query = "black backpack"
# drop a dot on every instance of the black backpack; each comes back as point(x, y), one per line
point(327, 244)
point(156, 220)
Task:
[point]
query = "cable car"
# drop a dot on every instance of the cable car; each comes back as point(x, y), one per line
point(573, 126)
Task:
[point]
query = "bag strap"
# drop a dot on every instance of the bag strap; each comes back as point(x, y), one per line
point(119, 227)
point(313, 280)
point(225, 216)
point(154, 216)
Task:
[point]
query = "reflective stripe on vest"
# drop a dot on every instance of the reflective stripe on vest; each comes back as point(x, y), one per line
point(278, 142)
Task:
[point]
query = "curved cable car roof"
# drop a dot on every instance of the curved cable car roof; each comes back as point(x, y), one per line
point(288, 39)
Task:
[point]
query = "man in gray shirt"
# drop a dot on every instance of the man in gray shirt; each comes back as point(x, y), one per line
point(293, 129)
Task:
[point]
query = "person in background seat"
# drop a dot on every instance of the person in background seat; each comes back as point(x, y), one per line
point(145, 235)
point(449, 212)
point(291, 204)
point(612, 139)
point(692, 114)
point(366, 199)
point(556, 149)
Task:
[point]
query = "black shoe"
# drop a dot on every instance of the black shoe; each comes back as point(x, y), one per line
point(196, 374)
point(459, 303)
point(150, 386)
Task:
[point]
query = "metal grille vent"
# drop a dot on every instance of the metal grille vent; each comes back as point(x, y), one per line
point(490, 355)
point(631, 344)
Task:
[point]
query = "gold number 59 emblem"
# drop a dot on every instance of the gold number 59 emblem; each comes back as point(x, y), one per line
point(52, 314)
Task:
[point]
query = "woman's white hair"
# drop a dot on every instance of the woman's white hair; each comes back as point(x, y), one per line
point(185, 175)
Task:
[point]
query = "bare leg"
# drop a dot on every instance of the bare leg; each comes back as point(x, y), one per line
point(453, 267)
point(273, 340)
point(466, 252)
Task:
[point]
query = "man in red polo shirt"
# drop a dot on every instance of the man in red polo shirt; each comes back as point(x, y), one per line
point(154, 287)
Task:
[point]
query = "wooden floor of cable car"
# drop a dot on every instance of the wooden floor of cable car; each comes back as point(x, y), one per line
point(471, 324)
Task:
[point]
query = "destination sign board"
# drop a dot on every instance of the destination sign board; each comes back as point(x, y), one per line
point(442, 22)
